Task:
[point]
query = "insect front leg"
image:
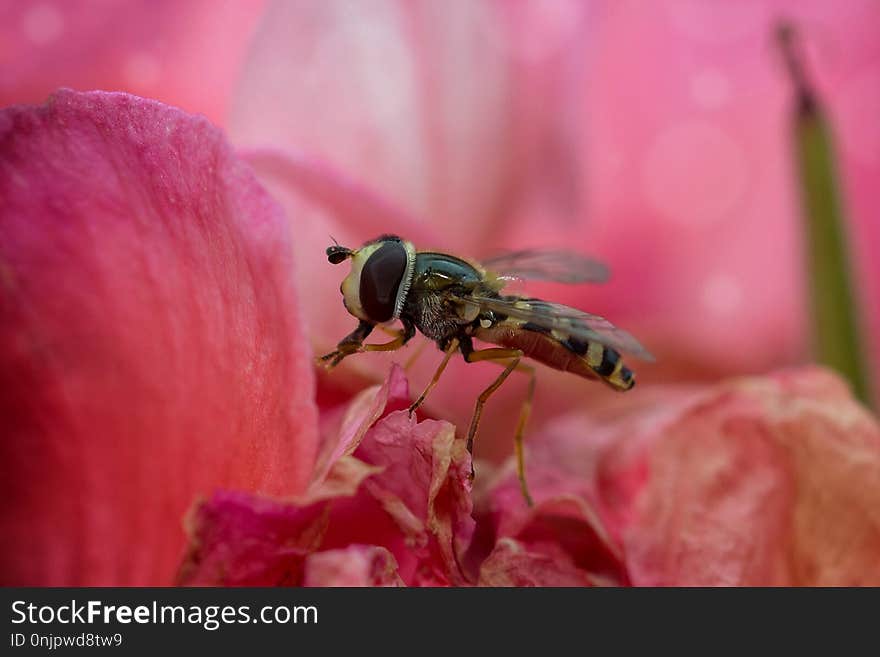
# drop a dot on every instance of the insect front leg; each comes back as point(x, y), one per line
point(354, 343)
point(350, 344)
point(401, 338)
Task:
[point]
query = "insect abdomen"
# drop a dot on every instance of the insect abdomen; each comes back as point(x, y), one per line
point(605, 362)
point(582, 357)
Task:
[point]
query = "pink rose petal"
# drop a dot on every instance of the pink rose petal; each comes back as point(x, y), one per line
point(354, 205)
point(762, 481)
point(245, 540)
point(183, 53)
point(511, 564)
point(563, 525)
point(451, 110)
point(771, 481)
point(362, 413)
point(424, 487)
point(405, 489)
point(357, 565)
point(150, 345)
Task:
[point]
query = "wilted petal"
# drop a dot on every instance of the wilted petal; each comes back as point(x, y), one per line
point(405, 489)
point(150, 346)
point(342, 480)
point(563, 526)
point(362, 412)
point(772, 481)
point(357, 565)
point(511, 564)
point(424, 487)
point(766, 481)
point(238, 539)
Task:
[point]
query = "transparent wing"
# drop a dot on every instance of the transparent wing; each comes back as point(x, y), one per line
point(571, 321)
point(545, 265)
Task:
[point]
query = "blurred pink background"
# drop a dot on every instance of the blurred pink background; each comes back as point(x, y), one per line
point(655, 136)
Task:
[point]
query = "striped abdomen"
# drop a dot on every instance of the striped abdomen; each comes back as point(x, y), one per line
point(585, 358)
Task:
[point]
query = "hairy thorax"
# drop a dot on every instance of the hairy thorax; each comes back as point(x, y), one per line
point(434, 317)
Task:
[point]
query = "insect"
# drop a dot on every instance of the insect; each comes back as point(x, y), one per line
point(452, 301)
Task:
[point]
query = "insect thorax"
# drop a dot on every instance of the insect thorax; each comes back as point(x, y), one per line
point(429, 305)
point(432, 315)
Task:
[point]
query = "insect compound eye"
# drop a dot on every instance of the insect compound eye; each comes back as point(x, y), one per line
point(380, 280)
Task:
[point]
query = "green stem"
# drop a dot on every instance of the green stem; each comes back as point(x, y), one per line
point(834, 303)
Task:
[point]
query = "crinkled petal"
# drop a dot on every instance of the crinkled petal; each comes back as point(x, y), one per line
point(239, 539)
point(356, 565)
point(424, 487)
point(762, 481)
point(406, 489)
point(150, 343)
point(512, 564)
point(362, 412)
point(772, 481)
point(563, 525)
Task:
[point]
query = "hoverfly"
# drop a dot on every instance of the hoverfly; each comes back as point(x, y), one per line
point(452, 301)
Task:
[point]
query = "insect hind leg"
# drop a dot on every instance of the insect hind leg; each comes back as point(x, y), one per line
point(496, 354)
point(524, 413)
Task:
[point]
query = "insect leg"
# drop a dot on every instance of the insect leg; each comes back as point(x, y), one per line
point(496, 354)
point(350, 344)
point(450, 349)
point(402, 337)
point(493, 353)
point(392, 345)
point(524, 414)
point(354, 343)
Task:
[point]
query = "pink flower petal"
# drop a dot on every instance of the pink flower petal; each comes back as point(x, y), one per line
point(347, 200)
point(357, 565)
point(562, 526)
point(362, 413)
point(424, 487)
point(770, 481)
point(245, 540)
point(448, 109)
point(511, 564)
point(405, 489)
point(762, 481)
point(183, 53)
point(150, 346)
point(238, 539)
